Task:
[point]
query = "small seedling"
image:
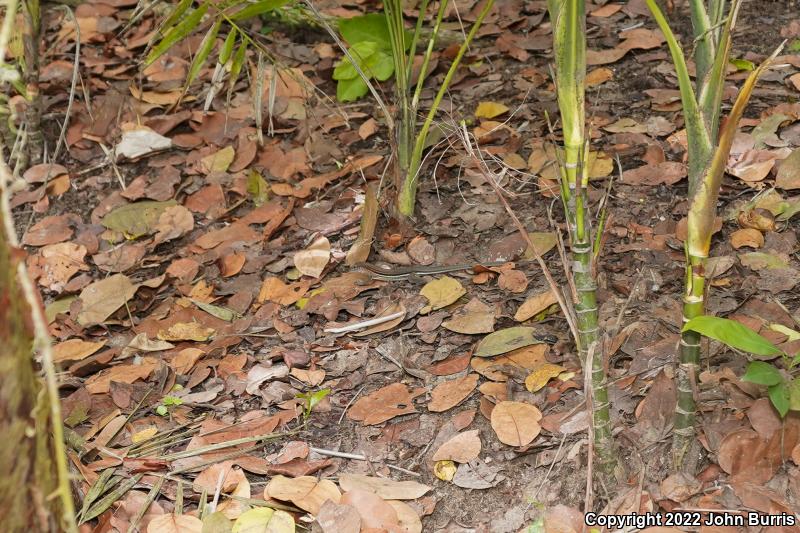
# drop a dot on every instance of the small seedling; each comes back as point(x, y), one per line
point(311, 400)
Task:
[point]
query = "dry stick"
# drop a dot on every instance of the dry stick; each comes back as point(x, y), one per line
point(43, 343)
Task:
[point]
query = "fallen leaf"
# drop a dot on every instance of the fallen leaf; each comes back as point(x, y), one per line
point(462, 448)
point(100, 383)
point(535, 305)
point(102, 298)
point(537, 379)
point(667, 173)
point(505, 340)
point(475, 317)
point(749, 237)
point(139, 141)
point(219, 161)
point(306, 492)
point(59, 262)
point(386, 488)
point(186, 331)
point(522, 361)
point(516, 423)
point(490, 110)
point(338, 518)
point(448, 394)
point(390, 401)
point(598, 76)
point(313, 260)
point(445, 470)
point(441, 293)
point(75, 350)
point(376, 514)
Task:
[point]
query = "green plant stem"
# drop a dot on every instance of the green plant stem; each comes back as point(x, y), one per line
point(407, 195)
point(689, 353)
point(568, 19)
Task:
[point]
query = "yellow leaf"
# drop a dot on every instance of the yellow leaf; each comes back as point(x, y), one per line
point(264, 519)
point(444, 470)
point(490, 109)
point(537, 379)
point(218, 161)
point(441, 293)
point(144, 435)
point(534, 305)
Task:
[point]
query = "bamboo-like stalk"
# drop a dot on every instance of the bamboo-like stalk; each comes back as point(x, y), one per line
point(569, 35)
point(706, 168)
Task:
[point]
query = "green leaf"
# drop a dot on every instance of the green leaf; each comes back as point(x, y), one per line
point(779, 395)
point(176, 33)
point(371, 27)
point(202, 54)
point(733, 334)
point(236, 66)
point(743, 64)
point(227, 47)
point(162, 410)
point(351, 90)
point(380, 65)
point(361, 52)
point(762, 373)
point(258, 8)
point(794, 46)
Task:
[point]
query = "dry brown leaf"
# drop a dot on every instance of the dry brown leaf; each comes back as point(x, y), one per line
point(390, 401)
point(406, 515)
point(313, 260)
point(749, 237)
point(523, 360)
point(448, 394)
point(462, 448)
point(338, 518)
point(534, 305)
point(186, 331)
point(668, 173)
point(274, 290)
point(376, 514)
point(75, 350)
point(516, 423)
point(102, 298)
point(211, 477)
point(386, 488)
point(474, 318)
point(101, 382)
point(306, 492)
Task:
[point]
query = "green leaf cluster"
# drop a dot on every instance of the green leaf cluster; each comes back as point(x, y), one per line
point(371, 48)
point(784, 390)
